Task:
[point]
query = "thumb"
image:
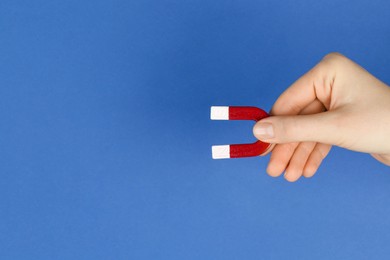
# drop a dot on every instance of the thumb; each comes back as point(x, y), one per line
point(299, 128)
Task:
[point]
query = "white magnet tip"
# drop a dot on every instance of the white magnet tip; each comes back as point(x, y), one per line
point(219, 113)
point(220, 151)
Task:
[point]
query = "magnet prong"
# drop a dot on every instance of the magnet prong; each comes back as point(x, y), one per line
point(219, 113)
point(220, 151)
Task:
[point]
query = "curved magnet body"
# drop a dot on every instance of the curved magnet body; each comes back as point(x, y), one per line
point(238, 113)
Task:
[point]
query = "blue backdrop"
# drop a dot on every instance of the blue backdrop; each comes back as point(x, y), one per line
point(105, 136)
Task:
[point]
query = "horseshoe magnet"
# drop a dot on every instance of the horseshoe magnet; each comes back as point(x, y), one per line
point(238, 150)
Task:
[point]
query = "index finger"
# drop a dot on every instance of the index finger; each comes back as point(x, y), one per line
point(312, 86)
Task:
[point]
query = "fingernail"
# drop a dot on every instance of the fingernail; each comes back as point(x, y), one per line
point(264, 131)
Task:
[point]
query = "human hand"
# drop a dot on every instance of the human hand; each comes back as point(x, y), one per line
point(336, 103)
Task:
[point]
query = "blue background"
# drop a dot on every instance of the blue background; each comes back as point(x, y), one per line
point(105, 133)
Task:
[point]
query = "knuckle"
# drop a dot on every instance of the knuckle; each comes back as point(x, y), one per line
point(334, 55)
point(334, 60)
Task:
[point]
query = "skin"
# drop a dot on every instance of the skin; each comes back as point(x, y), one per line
point(336, 103)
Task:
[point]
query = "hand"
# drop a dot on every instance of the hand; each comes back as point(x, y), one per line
point(335, 103)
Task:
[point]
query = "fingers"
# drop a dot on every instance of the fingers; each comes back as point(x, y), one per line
point(284, 125)
point(316, 84)
point(297, 124)
point(318, 154)
point(298, 161)
point(292, 158)
point(313, 108)
point(280, 158)
point(298, 96)
point(299, 128)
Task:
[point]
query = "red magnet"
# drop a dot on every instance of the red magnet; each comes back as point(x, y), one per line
point(238, 150)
